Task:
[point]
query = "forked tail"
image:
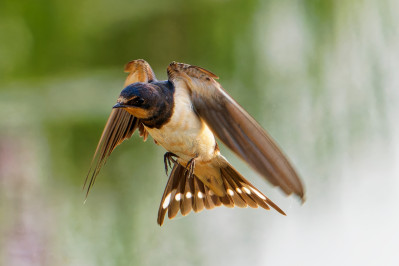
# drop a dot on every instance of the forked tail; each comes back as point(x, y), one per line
point(189, 193)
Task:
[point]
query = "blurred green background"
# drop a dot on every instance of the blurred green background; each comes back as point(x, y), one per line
point(320, 75)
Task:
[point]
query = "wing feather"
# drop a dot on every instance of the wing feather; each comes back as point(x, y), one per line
point(236, 128)
point(120, 125)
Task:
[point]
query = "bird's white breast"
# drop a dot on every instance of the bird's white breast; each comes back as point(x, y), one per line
point(185, 134)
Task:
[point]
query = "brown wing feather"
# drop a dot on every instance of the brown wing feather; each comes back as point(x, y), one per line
point(139, 71)
point(236, 128)
point(120, 125)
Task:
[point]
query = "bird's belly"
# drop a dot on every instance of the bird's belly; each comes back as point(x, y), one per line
point(185, 134)
point(187, 138)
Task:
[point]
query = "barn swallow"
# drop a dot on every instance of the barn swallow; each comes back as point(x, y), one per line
point(184, 114)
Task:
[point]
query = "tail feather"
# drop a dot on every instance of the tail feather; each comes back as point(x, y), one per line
point(187, 198)
point(247, 187)
point(174, 206)
point(232, 194)
point(208, 201)
point(238, 188)
point(190, 193)
point(199, 192)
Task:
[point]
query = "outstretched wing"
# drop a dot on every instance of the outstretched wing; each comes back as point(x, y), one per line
point(120, 124)
point(235, 127)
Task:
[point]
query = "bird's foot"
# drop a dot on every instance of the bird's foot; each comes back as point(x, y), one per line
point(167, 159)
point(190, 168)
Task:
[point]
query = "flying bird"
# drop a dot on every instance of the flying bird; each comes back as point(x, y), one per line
point(184, 114)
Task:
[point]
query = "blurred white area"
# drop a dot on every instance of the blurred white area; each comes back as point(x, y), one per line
point(351, 216)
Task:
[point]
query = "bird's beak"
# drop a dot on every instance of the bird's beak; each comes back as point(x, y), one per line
point(119, 105)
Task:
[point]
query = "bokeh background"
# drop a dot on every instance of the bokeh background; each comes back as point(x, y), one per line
point(320, 75)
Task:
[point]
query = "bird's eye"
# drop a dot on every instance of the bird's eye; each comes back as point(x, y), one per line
point(137, 101)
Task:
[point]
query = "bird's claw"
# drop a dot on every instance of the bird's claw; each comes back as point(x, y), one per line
point(167, 159)
point(190, 168)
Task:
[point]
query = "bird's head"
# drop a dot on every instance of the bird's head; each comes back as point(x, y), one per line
point(141, 100)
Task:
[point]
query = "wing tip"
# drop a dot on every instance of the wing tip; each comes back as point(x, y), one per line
point(195, 70)
point(139, 71)
point(303, 199)
point(299, 192)
point(132, 65)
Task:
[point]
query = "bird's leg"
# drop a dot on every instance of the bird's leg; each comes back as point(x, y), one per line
point(190, 167)
point(167, 158)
